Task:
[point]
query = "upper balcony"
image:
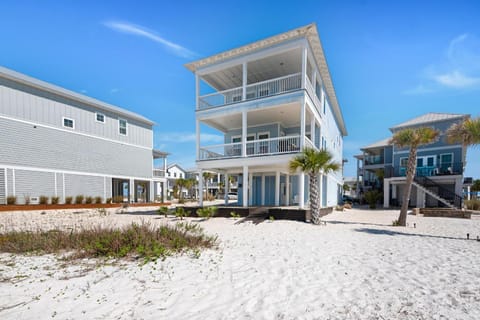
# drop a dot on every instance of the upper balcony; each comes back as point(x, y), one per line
point(443, 169)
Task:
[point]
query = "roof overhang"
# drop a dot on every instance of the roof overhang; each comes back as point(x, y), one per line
point(157, 154)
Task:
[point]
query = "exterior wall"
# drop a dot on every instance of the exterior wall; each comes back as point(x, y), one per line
point(388, 155)
point(23, 144)
point(175, 172)
point(3, 197)
point(456, 151)
point(23, 102)
point(272, 129)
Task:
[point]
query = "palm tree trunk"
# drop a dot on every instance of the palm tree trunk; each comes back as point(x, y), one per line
point(314, 203)
point(411, 167)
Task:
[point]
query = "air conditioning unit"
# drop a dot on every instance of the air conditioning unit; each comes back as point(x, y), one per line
point(34, 200)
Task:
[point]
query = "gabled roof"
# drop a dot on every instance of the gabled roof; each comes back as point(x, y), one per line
point(175, 165)
point(48, 87)
point(311, 34)
point(429, 118)
point(382, 143)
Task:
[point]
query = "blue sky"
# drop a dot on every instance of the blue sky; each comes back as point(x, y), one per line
point(389, 61)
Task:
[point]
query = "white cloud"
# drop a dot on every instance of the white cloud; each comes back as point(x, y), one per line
point(456, 79)
point(141, 31)
point(419, 89)
point(183, 137)
point(114, 90)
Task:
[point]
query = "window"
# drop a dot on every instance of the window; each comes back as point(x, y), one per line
point(174, 174)
point(181, 175)
point(419, 162)
point(430, 161)
point(68, 123)
point(324, 104)
point(100, 117)
point(403, 162)
point(122, 127)
point(236, 148)
point(263, 145)
point(250, 145)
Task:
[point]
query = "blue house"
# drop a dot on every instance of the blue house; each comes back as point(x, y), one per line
point(440, 165)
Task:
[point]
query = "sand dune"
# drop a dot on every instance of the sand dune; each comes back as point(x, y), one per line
point(356, 267)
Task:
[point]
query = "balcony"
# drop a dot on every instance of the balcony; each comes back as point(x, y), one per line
point(445, 169)
point(374, 160)
point(256, 90)
point(262, 147)
point(158, 173)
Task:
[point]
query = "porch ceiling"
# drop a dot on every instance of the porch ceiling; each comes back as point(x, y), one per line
point(288, 115)
point(271, 67)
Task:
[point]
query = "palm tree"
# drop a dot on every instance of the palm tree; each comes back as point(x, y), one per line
point(181, 184)
point(466, 132)
point(411, 138)
point(207, 176)
point(313, 163)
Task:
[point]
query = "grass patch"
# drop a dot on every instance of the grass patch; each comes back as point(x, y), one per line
point(134, 241)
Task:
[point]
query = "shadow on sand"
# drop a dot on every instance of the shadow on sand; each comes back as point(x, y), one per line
point(399, 233)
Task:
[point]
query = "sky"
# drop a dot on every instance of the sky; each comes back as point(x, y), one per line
point(390, 61)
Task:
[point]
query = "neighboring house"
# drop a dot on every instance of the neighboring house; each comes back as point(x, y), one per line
point(351, 183)
point(55, 142)
point(439, 173)
point(269, 99)
point(174, 172)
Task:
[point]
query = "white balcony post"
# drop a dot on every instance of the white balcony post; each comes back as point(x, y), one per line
point(197, 91)
point(197, 132)
point(245, 187)
point(250, 187)
point(304, 66)
point(301, 191)
point(263, 191)
point(277, 188)
point(314, 83)
point(287, 190)
point(244, 81)
point(165, 166)
point(200, 188)
point(312, 129)
point(226, 187)
point(244, 133)
point(302, 125)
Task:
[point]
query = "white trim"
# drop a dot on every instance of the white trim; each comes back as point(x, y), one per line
point(55, 183)
point(63, 187)
point(126, 127)
point(13, 183)
point(6, 184)
point(70, 119)
point(73, 132)
point(430, 149)
point(103, 115)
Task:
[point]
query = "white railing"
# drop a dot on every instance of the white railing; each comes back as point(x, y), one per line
point(158, 173)
point(229, 150)
point(253, 91)
point(271, 146)
point(309, 144)
point(313, 95)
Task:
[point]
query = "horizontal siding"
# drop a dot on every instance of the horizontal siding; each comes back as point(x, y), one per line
point(26, 145)
point(23, 102)
point(84, 185)
point(33, 183)
point(3, 197)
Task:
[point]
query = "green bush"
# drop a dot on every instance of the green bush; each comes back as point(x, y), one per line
point(11, 200)
point(234, 215)
point(68, 200)
point(79, 199)
point(98, 200)
point(207, 212)
point(372, 197)
point(43, 200)
point(54, 200)
point(163, 211)
point(473, 204)
point(109, 200)
point(180, 212)
point(88, 200)
point(118, 199)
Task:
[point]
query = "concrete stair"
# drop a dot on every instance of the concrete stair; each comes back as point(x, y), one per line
point(434, 195)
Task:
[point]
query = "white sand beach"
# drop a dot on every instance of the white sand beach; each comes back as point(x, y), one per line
point(356, 267)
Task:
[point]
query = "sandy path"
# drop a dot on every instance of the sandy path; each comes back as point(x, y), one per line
point(357, 267)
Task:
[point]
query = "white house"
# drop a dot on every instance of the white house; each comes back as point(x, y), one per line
point(269, 99)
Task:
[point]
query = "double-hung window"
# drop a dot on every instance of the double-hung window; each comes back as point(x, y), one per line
point(122, 127)
point(68, 123)
point(100, 117)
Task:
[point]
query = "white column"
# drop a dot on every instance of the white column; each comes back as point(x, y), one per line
point(244, 81)
point(227, 186)
point(312, 129)
point(197, 132)
point(301, 191)
point(13, 183)
point(420, 198)
point(63, 187)
point(55, 182)
point(131, 191)
point(302, 125)
point(244, 133)
point(245, 186)
point(304, 65)
point(287, 190)
point(468, 192)
point(197, 91)
point(277, 188)
point(314, 83)
point(200, 188)
point(386, 193)
point(250, 187)
point(320, 189)
point(263, 191)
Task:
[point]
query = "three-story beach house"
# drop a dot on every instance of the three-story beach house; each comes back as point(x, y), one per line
point(58, 143)
point(440, 165)
point(269, 100)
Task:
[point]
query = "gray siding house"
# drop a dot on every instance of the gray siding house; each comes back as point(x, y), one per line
point(55, 142)
point(440, 165)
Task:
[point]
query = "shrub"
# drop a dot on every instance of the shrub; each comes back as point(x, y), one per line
point(68, 200)
point(234, 215)
point(473, 204)
point(118, 199)
point(109, 200)
point(79, 199)
point(139, 240)
point(163, 211)
point(210, 197)
point(207, 212)
point(88, 200)
point(347, 206)
point(11, 200)
point(180, 213)
point(98, 200)
point(372, 197)
point(271, 218)
point(395, 223)
point(339, 208)
point(54, 200)
point(43, 200)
